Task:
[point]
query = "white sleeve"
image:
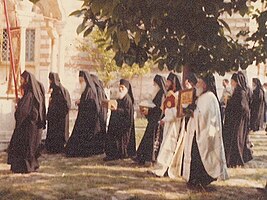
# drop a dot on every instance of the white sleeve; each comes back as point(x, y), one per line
point(170, 114)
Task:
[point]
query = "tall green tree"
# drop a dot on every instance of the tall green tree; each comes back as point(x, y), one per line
point(106, 66)
point(174, 33)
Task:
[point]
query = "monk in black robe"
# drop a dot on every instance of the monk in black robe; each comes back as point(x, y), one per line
point(244, 80)
point(57, 112)
point(257, 106)
point(82, 140)
point(23, 148)
point(236, 125)
point(145, 150)
point(41, 123)
point(100, 136)
point(67, 118)
point(120, 142)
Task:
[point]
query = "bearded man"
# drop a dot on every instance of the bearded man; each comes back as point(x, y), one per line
point(169, 160)
point(120, 142)
point(204, 157)
point(82, 142)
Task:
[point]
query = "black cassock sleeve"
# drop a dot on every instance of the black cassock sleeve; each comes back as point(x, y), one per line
point(25, 110)
point(154, 114)
point(124, 114)
point(58, 107)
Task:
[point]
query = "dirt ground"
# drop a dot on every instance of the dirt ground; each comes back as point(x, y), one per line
point(92, 178)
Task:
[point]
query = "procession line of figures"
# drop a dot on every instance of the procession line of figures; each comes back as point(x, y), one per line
point(199, 146)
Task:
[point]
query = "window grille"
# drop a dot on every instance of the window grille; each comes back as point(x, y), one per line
point(29, 48)
point(5, 46)
point(30, 45)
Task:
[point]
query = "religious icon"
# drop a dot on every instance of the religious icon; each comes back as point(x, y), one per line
point(184, 100)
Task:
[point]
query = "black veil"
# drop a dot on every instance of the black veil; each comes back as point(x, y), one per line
point(54, 77)
point(175, 80)
point(159, 80)
point(33, 85)
point(90, 91)
point(129, 87)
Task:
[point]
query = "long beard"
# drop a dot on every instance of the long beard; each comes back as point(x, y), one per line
point(199, 91)
point(171, 87)
point(122, 93)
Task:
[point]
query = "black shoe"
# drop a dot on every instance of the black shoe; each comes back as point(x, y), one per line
point(138, 160)
point(135, 159)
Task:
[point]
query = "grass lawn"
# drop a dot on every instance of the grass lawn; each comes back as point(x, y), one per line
point(92, 178)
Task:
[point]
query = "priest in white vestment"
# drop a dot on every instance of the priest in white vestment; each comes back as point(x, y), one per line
point(204, 157)
point(169, 160)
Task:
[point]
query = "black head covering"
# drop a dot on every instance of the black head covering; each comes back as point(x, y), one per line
point(175, 81)
point(240, 79)
point(192, 78)
point(82, 73)
point(91, 92)
point(257, 82)
point(234, 77)
point(209, 79)
point(54, 77)
point(33, 85)
point(243, 84)
point(159, 80)
point(129, 87)
point(43, 121)
point(99, 87)
point(259, 86)
point(97, 82)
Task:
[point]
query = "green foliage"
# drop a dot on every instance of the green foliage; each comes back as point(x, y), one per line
point(106, 65)
point(173, 33)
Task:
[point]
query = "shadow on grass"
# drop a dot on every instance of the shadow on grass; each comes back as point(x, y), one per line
point(91, 178)
point(13, 194)
point(137, 192)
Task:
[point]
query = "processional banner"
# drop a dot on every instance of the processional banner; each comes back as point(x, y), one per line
point(16, 44)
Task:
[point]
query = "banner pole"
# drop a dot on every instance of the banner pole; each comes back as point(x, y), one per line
point(12, 62)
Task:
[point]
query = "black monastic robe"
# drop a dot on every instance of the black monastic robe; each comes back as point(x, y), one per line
point(101, 123)
point(23, 150)
point(257, 109)
point(56, 117)
point(121, 131)
point(41, 121)
point(82, 140)
point(145, 151)
point(236, 129)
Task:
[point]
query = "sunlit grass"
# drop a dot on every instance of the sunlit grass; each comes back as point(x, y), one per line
point(92, 178)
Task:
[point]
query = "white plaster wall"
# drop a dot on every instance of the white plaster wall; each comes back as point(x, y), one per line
point(7, 122)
